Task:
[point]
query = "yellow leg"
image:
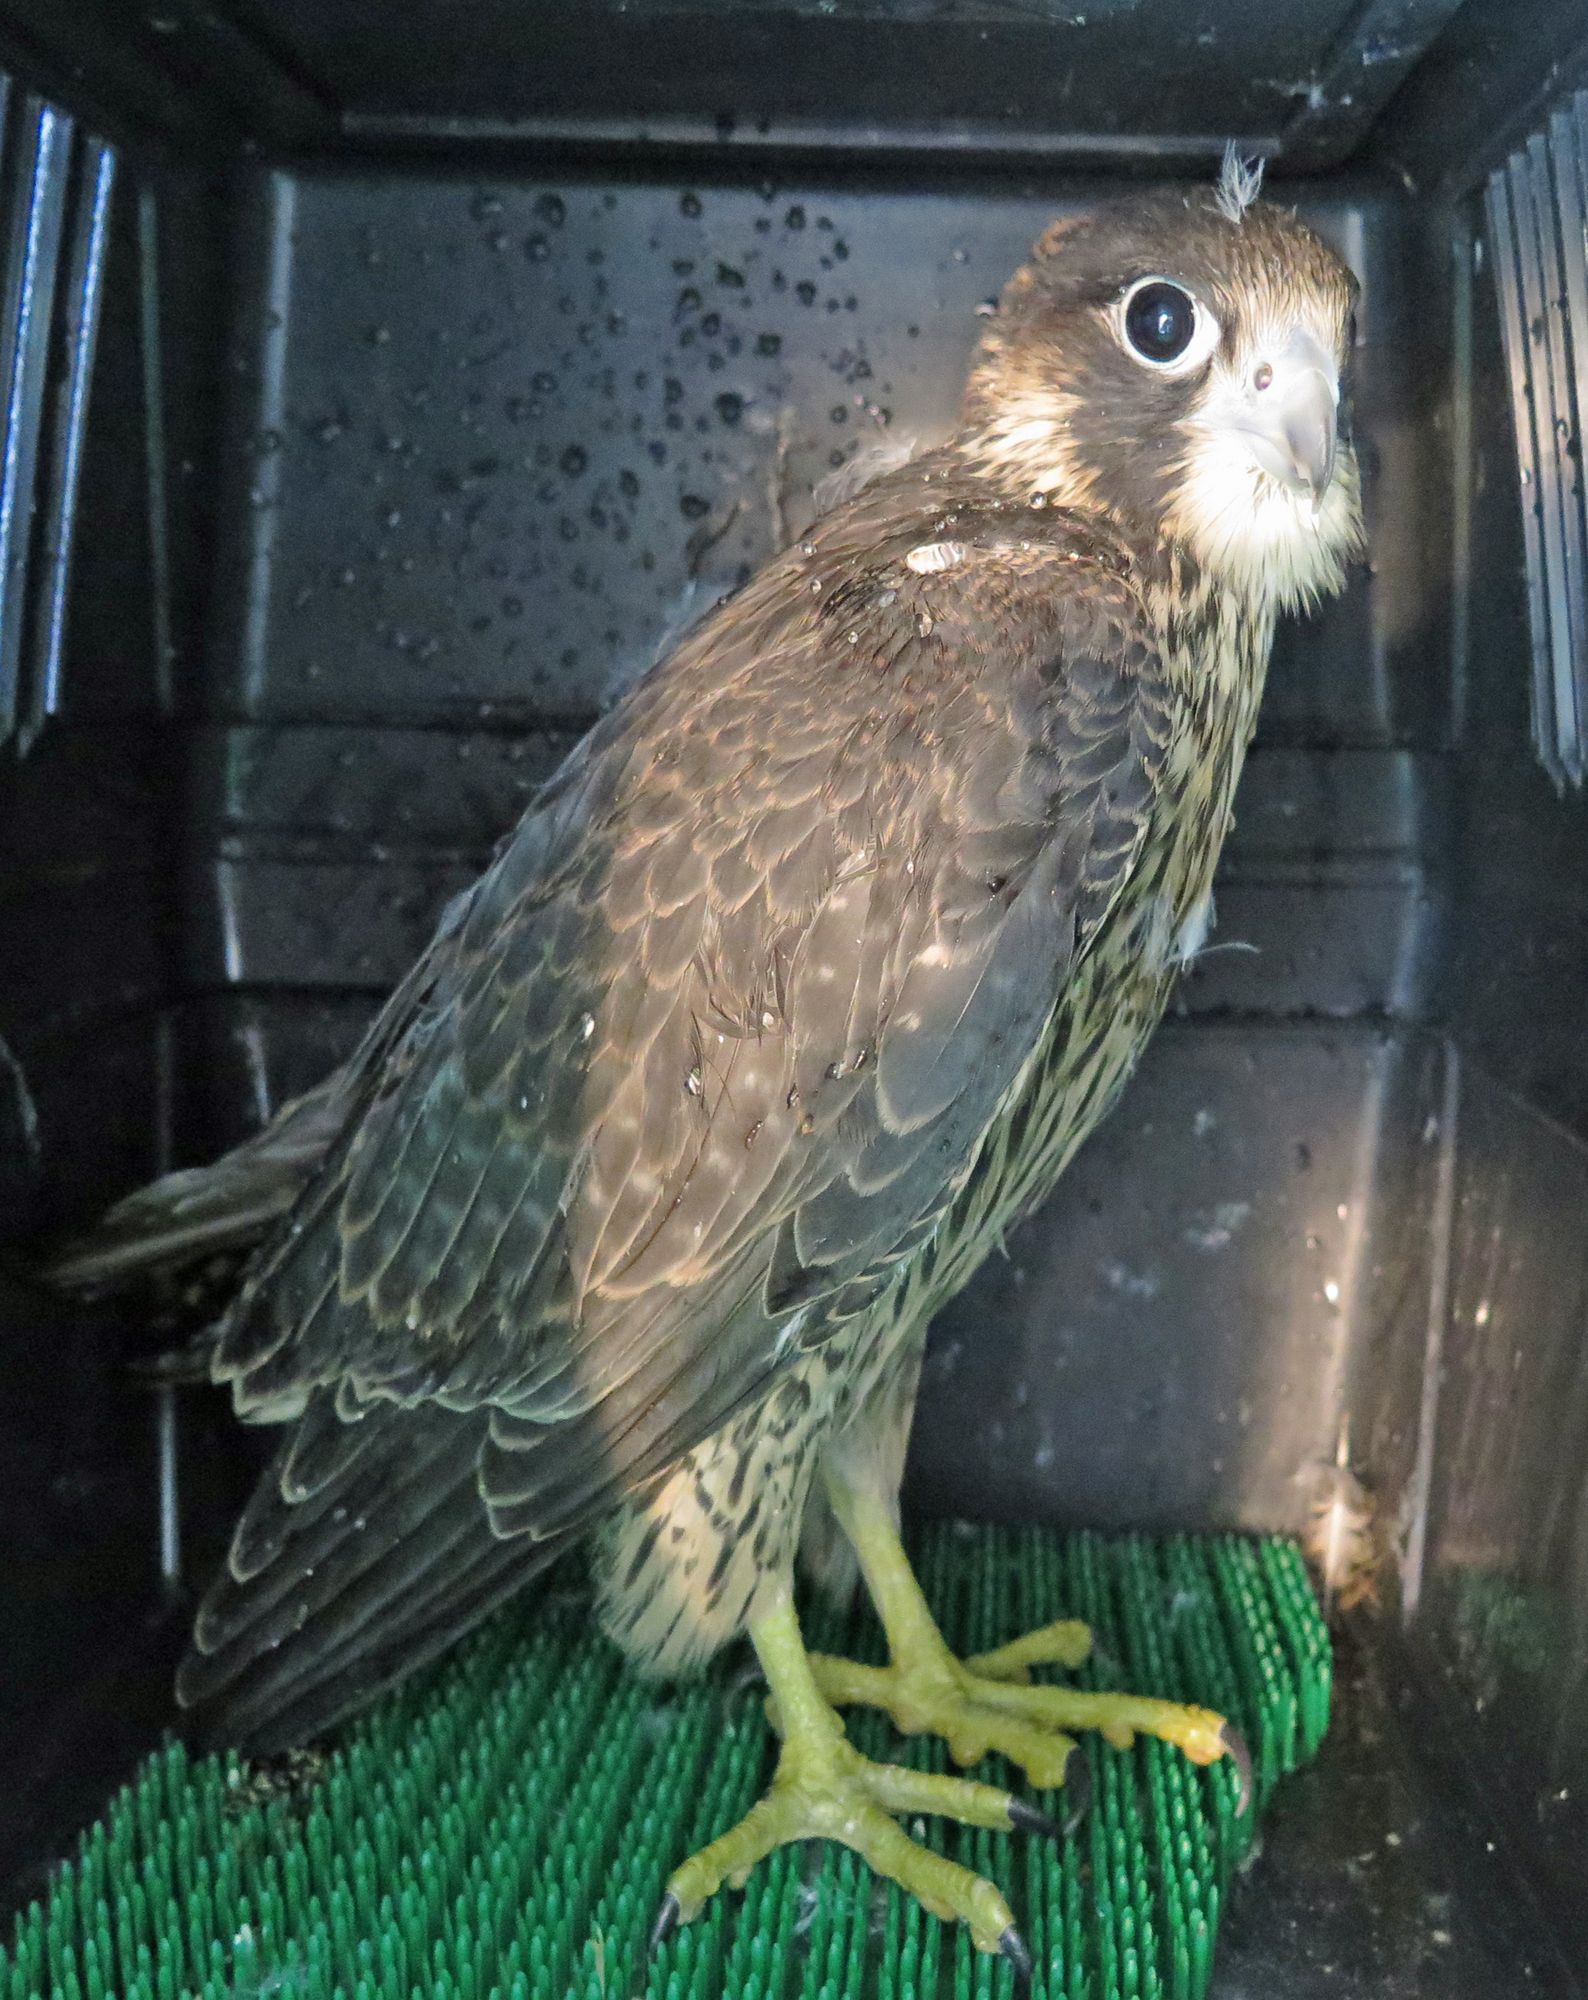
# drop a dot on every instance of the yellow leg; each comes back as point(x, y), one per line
point(987, 1702)
point(824, 1789)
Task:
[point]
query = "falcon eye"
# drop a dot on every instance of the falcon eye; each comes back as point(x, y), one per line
point(1159, 321)
point(1165, 327)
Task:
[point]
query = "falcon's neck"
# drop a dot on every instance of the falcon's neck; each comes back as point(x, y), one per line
point(1270, 548)
point(1214, 641)
point(1214, 635)
point(1215, 646)
point(1032, 464)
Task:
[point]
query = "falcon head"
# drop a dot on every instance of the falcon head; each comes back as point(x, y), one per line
point(1179, 362)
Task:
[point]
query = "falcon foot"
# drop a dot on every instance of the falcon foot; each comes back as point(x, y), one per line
point(989, 1702)
point(975, 1710)
point(823, 1788)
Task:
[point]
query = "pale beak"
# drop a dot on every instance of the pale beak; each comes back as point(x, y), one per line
point(1290, 413)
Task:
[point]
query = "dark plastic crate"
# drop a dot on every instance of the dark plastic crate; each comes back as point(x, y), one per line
point(384, 393)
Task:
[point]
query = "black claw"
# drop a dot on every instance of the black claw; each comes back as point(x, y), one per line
point(666, 1920)
point(1013, 1947)
point(1077, 1790)
point(1235, 1744)
point(1028, 1820)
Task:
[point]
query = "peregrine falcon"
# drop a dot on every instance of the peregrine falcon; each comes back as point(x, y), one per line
point(791, 992)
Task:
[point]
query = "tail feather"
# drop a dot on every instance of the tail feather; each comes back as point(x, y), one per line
point(203, 1213)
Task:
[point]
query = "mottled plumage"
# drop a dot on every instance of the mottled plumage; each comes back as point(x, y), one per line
point(789, 995)
point(694, 1070)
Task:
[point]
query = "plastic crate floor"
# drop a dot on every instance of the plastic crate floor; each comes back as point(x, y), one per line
point(505, 1824)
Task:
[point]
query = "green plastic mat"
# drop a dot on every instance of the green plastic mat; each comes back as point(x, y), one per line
point(504, 1825)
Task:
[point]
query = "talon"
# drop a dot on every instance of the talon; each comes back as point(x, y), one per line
point(1077, 1790)
point(1235, 1746)
point(1013, 1947)
point(1028, 1820)
point(667, 1917)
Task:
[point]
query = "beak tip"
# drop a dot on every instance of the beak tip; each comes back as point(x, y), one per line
point(1292, 418)
point(1319, 476)
point(1298, 446)
point(1308, 440)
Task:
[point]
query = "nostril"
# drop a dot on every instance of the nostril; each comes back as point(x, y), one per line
point(1262, 376)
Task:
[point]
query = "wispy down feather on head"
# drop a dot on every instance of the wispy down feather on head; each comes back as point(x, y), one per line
point(1238, 184)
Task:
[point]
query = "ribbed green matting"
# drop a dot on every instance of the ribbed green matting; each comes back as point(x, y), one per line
point(505, 1825)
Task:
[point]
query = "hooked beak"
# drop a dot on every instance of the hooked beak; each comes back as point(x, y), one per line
point(1290, 416)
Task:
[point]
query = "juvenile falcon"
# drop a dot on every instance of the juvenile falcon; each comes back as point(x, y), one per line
point(789, 995)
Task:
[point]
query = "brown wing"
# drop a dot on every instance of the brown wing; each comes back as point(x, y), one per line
point(708, 1051)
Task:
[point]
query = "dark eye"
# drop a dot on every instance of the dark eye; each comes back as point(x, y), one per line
point(1160, 321)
